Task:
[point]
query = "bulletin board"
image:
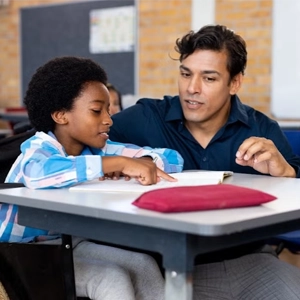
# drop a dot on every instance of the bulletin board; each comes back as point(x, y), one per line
point(50, 31)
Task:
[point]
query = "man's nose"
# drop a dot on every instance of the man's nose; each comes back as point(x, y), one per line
point(194, 86)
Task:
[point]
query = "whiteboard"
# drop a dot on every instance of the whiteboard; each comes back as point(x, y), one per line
point(285, 87)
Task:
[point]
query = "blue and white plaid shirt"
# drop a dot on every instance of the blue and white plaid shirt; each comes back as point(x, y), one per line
point(43, 163)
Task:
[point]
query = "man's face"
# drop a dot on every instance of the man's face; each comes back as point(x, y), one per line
point(205, 87)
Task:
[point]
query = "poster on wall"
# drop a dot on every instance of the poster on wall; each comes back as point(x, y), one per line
point(112, 30)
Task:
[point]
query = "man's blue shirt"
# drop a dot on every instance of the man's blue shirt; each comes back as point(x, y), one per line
point(160, 123)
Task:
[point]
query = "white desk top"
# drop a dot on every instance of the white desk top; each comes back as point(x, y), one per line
point(114, 206)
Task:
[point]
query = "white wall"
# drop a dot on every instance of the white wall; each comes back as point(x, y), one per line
point(203, 13)
point(285, 87)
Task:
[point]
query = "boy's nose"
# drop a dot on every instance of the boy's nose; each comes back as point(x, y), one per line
point(107, 121)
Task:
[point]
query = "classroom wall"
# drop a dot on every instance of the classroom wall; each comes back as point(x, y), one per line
point(161, 22)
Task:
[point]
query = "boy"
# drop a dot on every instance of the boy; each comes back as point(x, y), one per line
point(68, 103)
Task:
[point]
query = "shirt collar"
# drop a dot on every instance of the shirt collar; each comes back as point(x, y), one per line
point(174, 112)
point(238, 110)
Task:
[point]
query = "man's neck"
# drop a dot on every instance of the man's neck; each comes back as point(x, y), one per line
point(204, 131)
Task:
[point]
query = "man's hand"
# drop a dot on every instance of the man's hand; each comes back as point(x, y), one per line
point(262, 155)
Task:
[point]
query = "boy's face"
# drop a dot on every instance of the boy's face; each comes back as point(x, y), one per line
point(88, 122)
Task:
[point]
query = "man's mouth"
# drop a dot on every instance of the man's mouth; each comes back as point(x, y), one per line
point(193, 102)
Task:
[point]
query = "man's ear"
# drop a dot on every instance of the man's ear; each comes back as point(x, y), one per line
point(236, 83)
point(60, 117)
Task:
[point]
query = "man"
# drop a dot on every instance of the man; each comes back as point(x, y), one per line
point(210, 127)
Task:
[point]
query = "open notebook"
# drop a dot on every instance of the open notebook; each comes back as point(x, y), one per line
point(192, 178)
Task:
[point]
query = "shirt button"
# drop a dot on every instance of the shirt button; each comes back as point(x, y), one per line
point(204, 159)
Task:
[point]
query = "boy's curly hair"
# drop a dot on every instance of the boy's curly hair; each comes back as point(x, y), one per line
point(55, 85)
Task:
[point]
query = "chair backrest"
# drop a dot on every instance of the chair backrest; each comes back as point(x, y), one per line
point(10, 150)
point(293, 137)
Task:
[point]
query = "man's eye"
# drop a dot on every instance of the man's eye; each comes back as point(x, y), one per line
point(210, 79)
point(96, 111)
point(185, 74)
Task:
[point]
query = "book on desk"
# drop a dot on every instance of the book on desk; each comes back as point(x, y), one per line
point(188, 178)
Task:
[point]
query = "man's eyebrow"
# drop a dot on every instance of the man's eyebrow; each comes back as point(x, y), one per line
point(205, 72)
point(210, 72)
point(182, 67)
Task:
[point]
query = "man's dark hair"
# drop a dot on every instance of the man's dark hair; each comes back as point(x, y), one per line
point(216, 38)
point(55, 85)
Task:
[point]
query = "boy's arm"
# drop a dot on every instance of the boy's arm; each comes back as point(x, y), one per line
point(44, 164)
point(166, 159)
point(41, 169)
point(57, 171)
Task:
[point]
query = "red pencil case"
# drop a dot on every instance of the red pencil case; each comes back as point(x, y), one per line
point(204, 197)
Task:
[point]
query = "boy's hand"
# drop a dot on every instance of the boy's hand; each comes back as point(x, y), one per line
point(144, 171)
point(114, 176)
point(164, 175)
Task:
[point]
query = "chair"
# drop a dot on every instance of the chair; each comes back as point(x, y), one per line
point(14, 115)
point(32, 271)
point(21, 127)
point(9, 151)
point(290, 240)
point(293, 137)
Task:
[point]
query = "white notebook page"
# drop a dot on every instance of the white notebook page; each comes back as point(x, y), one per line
point(192, 178)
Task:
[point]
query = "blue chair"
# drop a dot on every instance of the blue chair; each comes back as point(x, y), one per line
point(290, 240)
point(293, 137)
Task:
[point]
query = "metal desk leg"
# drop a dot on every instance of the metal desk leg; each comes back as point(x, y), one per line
point(179, 286)
point(67, 261)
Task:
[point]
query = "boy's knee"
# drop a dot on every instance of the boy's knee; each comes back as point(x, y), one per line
point(116, 273)
point(145, 260)
point(93, 278)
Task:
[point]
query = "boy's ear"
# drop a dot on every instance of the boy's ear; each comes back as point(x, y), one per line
point(236, 83)
point(60, 117)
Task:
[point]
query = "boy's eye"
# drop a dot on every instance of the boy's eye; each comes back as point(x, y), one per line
point(97, 111)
